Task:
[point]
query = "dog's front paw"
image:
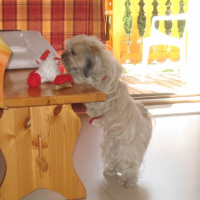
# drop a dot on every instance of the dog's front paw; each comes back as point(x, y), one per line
point(127, 182)
point(110, 172)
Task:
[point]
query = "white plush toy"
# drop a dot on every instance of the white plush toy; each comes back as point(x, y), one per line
point(48, 71)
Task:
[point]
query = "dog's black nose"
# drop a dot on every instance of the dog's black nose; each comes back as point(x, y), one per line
point(63, 55)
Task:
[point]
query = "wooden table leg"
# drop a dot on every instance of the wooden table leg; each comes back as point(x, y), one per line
point(58, 127)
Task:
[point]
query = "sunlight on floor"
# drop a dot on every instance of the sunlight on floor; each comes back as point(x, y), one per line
point(149, 87)
point(193, 80)
point(168, 69)
point(174, 109)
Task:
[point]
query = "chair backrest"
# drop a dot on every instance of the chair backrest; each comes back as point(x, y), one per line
point(183, 16)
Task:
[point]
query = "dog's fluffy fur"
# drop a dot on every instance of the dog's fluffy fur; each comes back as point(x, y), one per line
point(127, 124)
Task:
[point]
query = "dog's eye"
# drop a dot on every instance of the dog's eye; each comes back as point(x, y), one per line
point(73, 52)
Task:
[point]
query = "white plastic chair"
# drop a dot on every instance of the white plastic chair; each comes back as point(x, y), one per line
point(159, 38)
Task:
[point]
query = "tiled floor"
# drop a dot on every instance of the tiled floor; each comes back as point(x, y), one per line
point(171, 165)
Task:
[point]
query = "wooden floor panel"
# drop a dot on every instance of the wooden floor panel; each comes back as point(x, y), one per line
point(159, 88)
point(155, 83)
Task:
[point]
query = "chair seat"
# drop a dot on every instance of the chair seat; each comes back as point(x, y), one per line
point(160, 38)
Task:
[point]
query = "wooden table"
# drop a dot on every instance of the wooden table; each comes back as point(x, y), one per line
point(38, 132)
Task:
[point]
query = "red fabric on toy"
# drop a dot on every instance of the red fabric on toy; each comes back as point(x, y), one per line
point(63, 78)
point(56, 58)
point(34, 79)
point(45, 55)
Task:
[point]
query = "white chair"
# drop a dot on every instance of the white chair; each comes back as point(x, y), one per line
point(159, 38)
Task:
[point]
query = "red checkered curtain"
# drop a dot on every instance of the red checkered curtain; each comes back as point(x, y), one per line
point(55, 19)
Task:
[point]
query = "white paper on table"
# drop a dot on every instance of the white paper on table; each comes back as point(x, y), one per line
point(26, 48)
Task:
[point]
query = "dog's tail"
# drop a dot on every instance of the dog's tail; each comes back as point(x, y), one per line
point(145, 112)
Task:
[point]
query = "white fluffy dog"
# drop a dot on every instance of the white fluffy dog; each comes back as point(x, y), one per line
point(127, 124)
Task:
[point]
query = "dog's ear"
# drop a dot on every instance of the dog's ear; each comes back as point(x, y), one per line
point(88, 65)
